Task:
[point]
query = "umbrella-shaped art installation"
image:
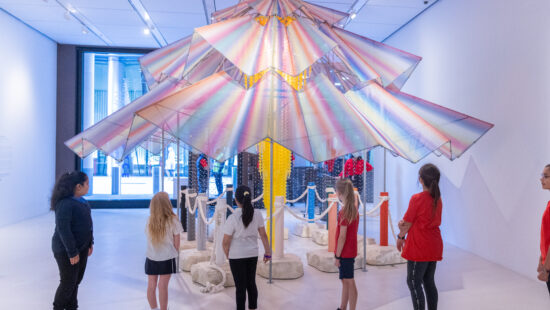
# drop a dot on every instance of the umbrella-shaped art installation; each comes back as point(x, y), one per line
point(282, 70)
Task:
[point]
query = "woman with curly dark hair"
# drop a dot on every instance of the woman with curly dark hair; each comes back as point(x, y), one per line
point(73, 239)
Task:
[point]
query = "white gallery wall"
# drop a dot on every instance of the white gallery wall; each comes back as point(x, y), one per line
point(490, 60)
point(27, 120)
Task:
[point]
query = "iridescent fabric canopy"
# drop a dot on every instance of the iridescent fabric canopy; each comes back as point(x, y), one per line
point(282, 69)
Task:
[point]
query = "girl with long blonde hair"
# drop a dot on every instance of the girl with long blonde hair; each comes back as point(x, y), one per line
point(163, 241)
point(346, 242)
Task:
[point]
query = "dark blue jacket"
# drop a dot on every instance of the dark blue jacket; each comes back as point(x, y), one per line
point(73, 226)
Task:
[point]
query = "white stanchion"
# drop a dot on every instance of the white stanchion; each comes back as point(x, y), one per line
point(279, 218)
point(200, 228)
point(217, 258)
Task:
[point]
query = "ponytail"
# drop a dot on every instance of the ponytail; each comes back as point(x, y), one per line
point(435, 193)
point(244, 197)
point(430, 175)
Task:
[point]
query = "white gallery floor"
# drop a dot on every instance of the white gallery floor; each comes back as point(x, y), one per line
point(115, 278)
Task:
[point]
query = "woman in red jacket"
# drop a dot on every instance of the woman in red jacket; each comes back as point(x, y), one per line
point(544, 260)
point(423, 247)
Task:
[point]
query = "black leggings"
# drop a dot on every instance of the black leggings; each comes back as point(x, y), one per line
point(244, 274)
point(70, 278)
point(421, 274)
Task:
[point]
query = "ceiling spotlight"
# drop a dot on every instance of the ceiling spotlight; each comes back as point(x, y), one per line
point(352, 15)
point(146, 31)
point(146, 16)
point(67, 15)
point(84, 30)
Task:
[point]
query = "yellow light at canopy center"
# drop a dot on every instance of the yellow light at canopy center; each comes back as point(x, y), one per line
point(298, 82)
point(262, 20)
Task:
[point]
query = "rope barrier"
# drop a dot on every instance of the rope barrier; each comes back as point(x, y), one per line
point(373, 210)
point(301, 196)
point(313, 219)
point(333, 201)
point(319, 197)
point(203, 216)
point(391, 226)
point(274, 214)
point(215, 200)
point(258, 198)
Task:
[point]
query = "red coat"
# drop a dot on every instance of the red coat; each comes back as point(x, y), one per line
point(360, 166)
point(349, 168)
point(330, 165)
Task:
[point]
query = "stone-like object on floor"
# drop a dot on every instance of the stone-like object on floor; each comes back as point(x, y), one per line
point(383, 255)
point(320, 236)
point(189, 258)
point(323, 260)
point(187, 245)
point(288, 267)
point(305, 230)
point(203, 273)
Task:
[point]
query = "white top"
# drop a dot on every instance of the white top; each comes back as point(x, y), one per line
point(165, 250)
point(245, 240)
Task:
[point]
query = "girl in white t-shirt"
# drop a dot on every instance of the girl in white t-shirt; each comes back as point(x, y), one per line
point(163, 242)
point(240, 244)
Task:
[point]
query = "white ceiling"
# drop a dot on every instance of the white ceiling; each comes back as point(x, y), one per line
point(122, 26)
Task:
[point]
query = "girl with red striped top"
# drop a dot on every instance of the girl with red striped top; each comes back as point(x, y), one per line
point(423, 246)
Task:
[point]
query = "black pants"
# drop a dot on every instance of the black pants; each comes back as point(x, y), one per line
point(244, 274)
point(70, 278)
point(421, 274)
point(548, 285)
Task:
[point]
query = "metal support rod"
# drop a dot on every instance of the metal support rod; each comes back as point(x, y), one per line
point(385, 170)
point(178, 187)
point(364, 191)
point(271, 207)
point(162, 166)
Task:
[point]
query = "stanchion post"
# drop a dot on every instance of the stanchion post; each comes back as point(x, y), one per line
point(183, 207)
point(332, 218)
point(229, 198)
point(201, 225)
point(384, 209)
point(191, 217)
point(310, 201)
point(271, 207)
point(279, 226)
